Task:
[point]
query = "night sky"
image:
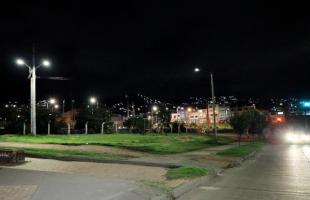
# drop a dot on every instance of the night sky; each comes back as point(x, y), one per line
point(151, 47)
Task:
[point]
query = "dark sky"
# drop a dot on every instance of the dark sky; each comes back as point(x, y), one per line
point(151, 47)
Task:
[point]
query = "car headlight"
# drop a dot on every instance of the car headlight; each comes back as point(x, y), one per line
point(291, 138)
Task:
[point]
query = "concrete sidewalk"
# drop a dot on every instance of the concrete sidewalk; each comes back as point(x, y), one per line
point(17, 184)
point(279, 172)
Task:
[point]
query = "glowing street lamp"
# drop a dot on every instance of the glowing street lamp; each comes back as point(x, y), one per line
point(196, 69)
point(20, 62)
point(52, 101)
point(93, 101)
point(154, 109)
point(46, 63)
point(32, 76)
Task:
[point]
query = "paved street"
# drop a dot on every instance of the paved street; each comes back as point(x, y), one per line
point(279, 172)
point(18, 184)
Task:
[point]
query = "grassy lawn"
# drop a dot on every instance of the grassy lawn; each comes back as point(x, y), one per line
point(186, 172)
point(149, 143)
point(241, 151)
point(69, 154)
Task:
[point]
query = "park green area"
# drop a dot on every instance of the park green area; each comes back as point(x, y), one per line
point(186, 172)
point(242, 150)
point(68, 154)
point(160, 144)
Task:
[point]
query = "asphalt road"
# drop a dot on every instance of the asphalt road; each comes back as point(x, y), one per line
point(279, 172)
point(17, 184)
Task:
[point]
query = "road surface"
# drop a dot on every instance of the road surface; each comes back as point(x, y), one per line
point(279, 172)
point(19, 184)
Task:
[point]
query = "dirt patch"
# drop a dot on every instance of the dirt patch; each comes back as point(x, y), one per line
point(101, 170)
point(90, 148)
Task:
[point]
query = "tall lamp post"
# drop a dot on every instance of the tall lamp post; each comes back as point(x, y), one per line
point(154, 109)
point(213, 102)
point(93, 101)
point(51, 101)
point(32, 76)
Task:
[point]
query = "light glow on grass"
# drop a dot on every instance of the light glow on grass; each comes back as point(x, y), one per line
point(186, 172)
point(241, 151)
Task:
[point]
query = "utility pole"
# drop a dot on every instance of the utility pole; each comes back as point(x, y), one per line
point(127, 106)
point(63, 107)
point(133, 109)
point(72, 109)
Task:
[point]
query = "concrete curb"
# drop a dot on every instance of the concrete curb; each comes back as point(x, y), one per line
point(184, 188)
point(126, 162)
point(179, 191)
point(241, 160)
point(163, 197)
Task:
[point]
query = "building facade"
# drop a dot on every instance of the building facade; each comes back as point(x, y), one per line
point(202, 116)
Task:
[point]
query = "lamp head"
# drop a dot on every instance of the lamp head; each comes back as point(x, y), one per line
point(46, 63)
point(196, 69)
point(20, 62)
point(92, 100)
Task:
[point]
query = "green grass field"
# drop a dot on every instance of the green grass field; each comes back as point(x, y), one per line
point(68, 154)
point(241, 151)
point(149, 143)
point(186, 172)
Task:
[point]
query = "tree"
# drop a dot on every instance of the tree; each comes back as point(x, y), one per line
point(48, 116)
point(240, 124)
point(94, 117)
point(257, 122)
point(164, 115)
point(250, 121)
point(136, 124)
point(13, 117)
point(16, 116)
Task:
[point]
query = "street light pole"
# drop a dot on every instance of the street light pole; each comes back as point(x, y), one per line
point(213, 103)
point(32, 72)
point(32, 75)
point(33, 120)
point(213, 107)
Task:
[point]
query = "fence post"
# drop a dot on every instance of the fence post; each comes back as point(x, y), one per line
point(116, 130)
point(48, 127)
point(24, 128)
point(69, 129)
point(102, 127)
point(86, 127)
